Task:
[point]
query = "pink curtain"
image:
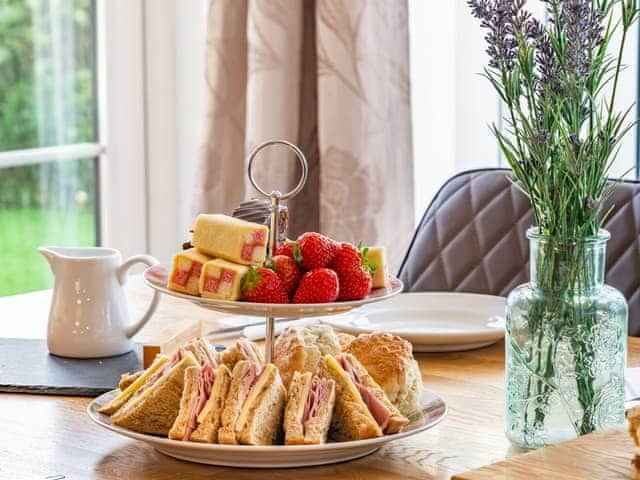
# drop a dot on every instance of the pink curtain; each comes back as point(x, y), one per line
point(332, 76)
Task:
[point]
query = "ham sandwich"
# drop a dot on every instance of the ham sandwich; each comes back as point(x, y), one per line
point(309, 409)
point(252, 413)
point(362, 410)
point(201, 404)
point(154, 406)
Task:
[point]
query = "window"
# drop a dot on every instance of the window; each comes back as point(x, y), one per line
point(48, 129)
point(101, 106)
point(452, 104)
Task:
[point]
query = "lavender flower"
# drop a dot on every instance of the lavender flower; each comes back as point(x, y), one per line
point(582, 25)
point(548, 67)
point(561, 126)
point(503, 19)
point(509, 25)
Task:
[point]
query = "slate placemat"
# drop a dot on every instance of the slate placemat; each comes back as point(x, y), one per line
point(26, 366)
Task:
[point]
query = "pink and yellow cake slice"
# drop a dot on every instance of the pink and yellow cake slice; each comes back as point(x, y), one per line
point(185, 273)
point(377, 257)
point(230, 238)
point(222, 279)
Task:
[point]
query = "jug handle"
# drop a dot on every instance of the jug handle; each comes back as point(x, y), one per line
point(131, 330)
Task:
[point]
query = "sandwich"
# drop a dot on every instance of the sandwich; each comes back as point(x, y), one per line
point(242, 350)
point(203, 352)
point(127, 379)
point(309, 409)
point(389, 360)
point(362, 410)
point(131, 384)
point(154, 406)
point(205, 390)
point(253, 409)
point(201, 349)
point(302, 348)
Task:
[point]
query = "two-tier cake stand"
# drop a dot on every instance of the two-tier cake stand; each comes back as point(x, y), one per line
point(156, 276)
point(432, 408)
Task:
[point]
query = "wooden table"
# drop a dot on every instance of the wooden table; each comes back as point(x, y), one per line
point(52, 435)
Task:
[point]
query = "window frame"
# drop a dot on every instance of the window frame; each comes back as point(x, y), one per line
point(151, 106)
point(452, 104)
point(90, 150)
point(122, 129)
point(121, 167)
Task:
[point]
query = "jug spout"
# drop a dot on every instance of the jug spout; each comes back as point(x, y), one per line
point(50, 255)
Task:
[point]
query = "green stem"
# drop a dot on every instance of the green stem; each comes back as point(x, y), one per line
point(618, 67)
point(533, 374)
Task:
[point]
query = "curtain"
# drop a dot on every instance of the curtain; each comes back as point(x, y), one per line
point(331, 76)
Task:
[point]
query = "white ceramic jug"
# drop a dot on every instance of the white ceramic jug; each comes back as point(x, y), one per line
point(89, 317)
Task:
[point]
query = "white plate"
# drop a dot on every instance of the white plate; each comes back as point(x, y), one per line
point(277, 456)
point(156, 278)
point(432, 321)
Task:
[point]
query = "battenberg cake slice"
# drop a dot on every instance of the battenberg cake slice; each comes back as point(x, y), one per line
point(222, 279)
point(377, 257)
point(185, 272)
point(230, 238)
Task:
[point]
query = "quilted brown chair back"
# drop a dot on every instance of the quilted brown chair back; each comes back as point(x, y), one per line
point(472, 239)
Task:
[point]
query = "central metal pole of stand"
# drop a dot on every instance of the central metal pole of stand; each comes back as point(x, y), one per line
point(276, 197)
point(268, 346)
point(273, 243)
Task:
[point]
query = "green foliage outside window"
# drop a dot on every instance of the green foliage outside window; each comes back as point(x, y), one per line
point(47, 98)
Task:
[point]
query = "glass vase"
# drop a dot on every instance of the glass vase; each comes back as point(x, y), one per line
point(565, 344)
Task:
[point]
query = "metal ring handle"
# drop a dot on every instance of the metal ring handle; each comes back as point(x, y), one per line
point(301, 159)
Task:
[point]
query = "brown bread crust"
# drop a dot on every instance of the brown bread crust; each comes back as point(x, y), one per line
point(156, 410)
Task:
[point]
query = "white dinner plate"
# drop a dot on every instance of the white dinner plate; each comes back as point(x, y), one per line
point(277, 456)
point(432, 321)
point(156, 278)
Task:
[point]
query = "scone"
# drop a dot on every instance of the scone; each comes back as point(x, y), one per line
point(389, 360)
point(345, 339)
point(243, 349)
point(633, 418)
point(300, 349)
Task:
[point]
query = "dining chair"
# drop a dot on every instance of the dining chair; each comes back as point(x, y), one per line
point(472, 239)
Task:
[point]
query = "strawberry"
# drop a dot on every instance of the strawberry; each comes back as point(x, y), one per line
point(289, 249)
point(319, 285)
point(354, 272)
point(316, 250)
point(263, 285)
point(288, 271)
